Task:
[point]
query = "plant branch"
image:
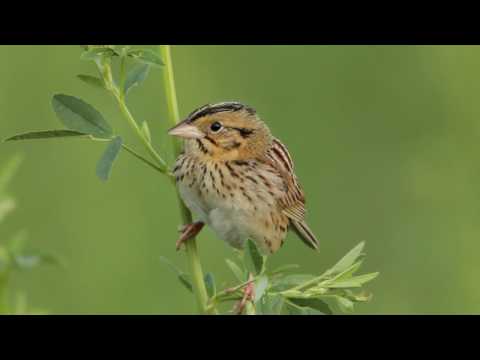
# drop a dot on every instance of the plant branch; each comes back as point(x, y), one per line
point(191, 245)
point(146, 161)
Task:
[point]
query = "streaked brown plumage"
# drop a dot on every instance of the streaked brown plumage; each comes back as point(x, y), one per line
point(238, 178)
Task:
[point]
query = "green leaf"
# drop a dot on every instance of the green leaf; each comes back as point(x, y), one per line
point(254, 261)
point(293, 309)
point(348, 260)
point(346, 305)
point(146, 56)
point(356, 281)
point(239, 274)
point(47, 134)
point(136, 76)
point(316, 304)
point(339, 302)
point(347, 273)
point(8, 170)
point(210, 284)
point(261, 285)
point(79, 116)
point(290, 281)
point(146, 131)
point(184, 278)
point(270, 304)
point(104, 166)
point(95, 53)
point(92, 80)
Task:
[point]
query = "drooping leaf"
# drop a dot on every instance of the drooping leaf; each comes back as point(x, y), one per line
point(104, 166)
point(136, 76)
point(210, 284)
point(184, 278)
point(236, 270)
point(92, 80)
point(79, 116)
point(348, 260)
point(8, 170)
point(146, 56)
point(253, 259)
point(316, 304)
point(146, 131)
point(47, 134)
point(261, 285)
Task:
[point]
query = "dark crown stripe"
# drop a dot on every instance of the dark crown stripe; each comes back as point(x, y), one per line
point(216, 108)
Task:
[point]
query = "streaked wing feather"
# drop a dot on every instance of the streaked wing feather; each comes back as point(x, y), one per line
point(293, 202)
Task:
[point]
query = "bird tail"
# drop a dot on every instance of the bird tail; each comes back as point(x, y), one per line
point(306, 235)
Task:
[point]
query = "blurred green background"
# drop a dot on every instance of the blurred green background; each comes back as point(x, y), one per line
point(385, 141)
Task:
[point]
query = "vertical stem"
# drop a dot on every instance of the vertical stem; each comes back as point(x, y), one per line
point(191, 244)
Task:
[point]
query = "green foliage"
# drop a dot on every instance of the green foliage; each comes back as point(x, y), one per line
point(47, 134)
point(146, 56)
point(136, 76)
point(104, 166)
point(79, 116)
point(83, 120)
point(14, 256)
point(92, 80)
point(260, 290)
point(182, 277)
point(254, 261)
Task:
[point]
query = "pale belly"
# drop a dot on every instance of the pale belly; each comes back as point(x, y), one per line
point(228, 219)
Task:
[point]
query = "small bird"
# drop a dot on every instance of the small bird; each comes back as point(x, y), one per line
point(238, 178)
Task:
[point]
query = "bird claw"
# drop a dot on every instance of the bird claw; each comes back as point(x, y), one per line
point(187, 232)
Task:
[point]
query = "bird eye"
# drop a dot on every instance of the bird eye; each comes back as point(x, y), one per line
point(216, 126)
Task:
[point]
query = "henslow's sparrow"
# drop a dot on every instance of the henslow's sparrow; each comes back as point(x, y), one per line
point(239, 179)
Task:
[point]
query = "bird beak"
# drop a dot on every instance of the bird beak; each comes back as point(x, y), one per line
point(186, 131)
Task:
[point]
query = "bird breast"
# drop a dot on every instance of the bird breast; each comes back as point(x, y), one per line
point(237, 199)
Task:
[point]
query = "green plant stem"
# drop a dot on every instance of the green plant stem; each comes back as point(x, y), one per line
point(191, 245)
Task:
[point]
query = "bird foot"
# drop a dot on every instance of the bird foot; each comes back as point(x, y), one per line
point(187, 232)
point(248, 295)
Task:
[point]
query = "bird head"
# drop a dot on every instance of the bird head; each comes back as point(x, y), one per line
point(224, 131)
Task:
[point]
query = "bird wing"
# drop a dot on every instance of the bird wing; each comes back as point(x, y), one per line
point(292, 202)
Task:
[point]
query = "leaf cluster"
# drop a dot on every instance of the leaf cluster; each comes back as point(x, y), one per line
point(280, 291)
point(81, 120)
